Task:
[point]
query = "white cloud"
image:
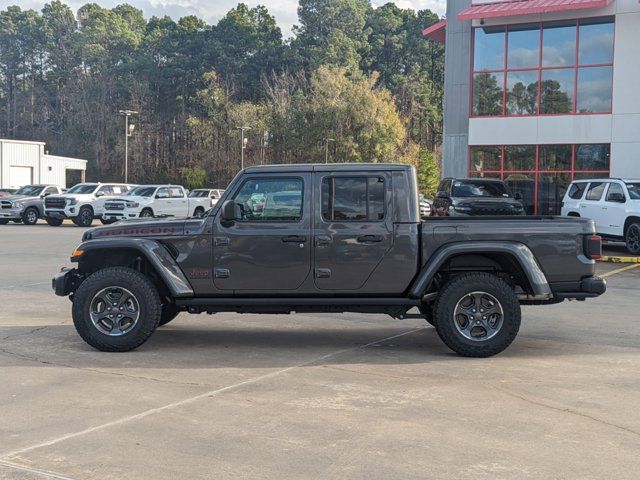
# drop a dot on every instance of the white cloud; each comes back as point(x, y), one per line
point(285, 11)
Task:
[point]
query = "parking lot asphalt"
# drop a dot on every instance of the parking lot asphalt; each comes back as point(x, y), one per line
point(311, 396)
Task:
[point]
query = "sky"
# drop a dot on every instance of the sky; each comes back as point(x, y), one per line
point(211, 11)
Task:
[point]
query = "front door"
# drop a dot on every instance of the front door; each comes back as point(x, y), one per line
point(353, 228)
point(269, 248)
point(591, 206)
point(614, 212)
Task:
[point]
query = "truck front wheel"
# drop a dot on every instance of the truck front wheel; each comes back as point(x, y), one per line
point(477, 315)
point(116, 309)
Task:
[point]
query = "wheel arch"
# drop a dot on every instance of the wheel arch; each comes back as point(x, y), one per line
point(147, 256)
point(630, 219)
point(573, 214)
point(511, 257)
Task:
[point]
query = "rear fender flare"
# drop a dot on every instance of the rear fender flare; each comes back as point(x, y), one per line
point(156, 254)
point(520, 252)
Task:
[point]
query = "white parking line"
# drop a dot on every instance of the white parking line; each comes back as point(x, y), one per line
point(186, 401)
point(25, 285)
point(35, 471)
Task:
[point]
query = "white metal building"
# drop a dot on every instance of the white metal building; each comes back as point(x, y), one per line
point(541, 92)
point(23, 163)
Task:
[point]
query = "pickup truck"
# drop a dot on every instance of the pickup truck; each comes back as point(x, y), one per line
point(26, 205)
point(461, 197)
point(81, 203)
point(328, 238)
point(154, 201)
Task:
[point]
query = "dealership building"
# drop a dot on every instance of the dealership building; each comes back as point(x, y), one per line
point(23, 163)
point(541, 92)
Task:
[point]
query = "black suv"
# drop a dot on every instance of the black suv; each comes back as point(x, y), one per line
point(476, 196)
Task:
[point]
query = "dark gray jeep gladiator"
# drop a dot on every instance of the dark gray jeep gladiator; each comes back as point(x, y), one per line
point(328, 238)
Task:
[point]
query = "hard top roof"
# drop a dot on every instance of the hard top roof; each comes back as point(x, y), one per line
point(327, 167)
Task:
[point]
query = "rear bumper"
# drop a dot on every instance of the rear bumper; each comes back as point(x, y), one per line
point(588, 287)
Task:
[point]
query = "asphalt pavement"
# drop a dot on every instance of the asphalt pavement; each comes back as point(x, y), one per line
point(311, 396)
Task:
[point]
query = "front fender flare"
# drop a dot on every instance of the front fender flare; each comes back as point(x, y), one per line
point(520, 252)
point(153, 251)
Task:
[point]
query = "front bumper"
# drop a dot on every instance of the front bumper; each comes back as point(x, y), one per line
point(588, 287)
point(11, 213)
point(65, 282)
point(120, 214)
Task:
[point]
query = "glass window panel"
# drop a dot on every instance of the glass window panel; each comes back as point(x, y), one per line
point(523, 47)
point(488, 48)
point(353, 199)
point(577, 190)
point(520, 157)
point(486, 158)
point(554, 157)
point(595, 85)
point(595, 191)
point(557, 91)
point(596, 43)
point(592, 157)
point(559, 45)
point(485, 175)
point(615, 193)
point(551, 190)
point(487, 93)
point(271, 200)
point(522, 93)
point(588, 175)
point(524, 184)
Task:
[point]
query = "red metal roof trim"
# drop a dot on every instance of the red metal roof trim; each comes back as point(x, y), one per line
point(436, 32)
point(526, 7)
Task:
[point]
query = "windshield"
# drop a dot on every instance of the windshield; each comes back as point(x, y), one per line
point(199, 194)
point(634, 190)
point(83, 188)
point(141, 192)
point(479, 188)
point(30, 190)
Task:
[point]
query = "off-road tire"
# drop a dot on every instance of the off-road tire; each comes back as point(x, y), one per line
point(30, 216)
point(146, 213)
point(145, 294)
point(169, 312)
point(427, 311)
point(631, 237)
point(53, 222)
point(458, 288)
point(84, 218)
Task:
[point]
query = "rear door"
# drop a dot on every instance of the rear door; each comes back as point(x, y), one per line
point(179, 204)
point(269, 248)
point(353, 229)
point(591, 205)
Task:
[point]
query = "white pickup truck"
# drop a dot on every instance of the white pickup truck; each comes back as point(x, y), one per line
point(613, 203)
point(154, 201)
point(81, 203)
point(214, 194)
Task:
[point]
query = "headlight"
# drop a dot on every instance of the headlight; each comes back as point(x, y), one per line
point(132, 204)
point(72, 201)
point(17, 205)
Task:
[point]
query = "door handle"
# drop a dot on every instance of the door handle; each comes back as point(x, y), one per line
point(294, 239)
point(369, 238)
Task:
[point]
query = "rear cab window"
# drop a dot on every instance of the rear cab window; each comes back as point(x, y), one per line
point(353, 199)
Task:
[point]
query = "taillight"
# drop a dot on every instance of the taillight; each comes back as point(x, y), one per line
point(593, 247)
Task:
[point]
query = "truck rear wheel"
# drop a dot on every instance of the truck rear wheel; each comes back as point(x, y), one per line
point(116, 309)
point(477, 315)
point(632, 238)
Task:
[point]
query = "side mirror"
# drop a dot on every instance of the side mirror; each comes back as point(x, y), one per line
point(517, 196)
point(442, 195)
point(230, 211)
point(99, 194)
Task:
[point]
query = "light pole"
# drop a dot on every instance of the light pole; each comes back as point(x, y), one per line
point(128, 131)
point(326, 148)
point(243, 145)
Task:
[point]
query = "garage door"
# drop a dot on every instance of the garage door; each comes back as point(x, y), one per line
point(19, 176)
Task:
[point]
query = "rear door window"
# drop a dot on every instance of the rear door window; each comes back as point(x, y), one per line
point(353, 199)
point(176, 192)
point(596, 189)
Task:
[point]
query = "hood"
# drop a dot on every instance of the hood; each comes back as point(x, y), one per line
point(130, 198)
point(146, 227)
point(71, 195)
point(16, 198)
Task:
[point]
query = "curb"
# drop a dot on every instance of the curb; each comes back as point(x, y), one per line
point(617, 259)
